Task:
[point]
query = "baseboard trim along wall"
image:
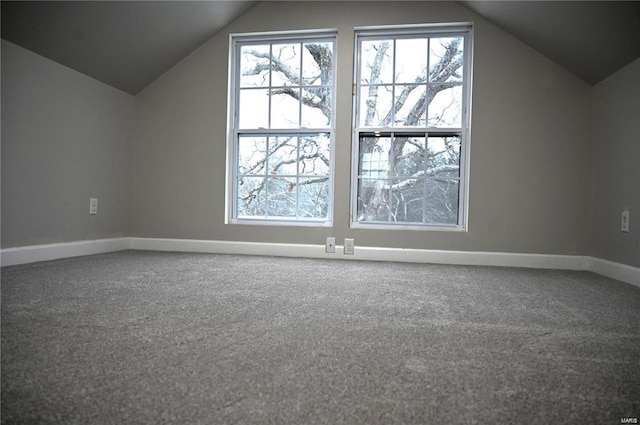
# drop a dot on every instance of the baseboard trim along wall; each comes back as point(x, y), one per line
point(34, 253)
point(29, 254)
point(565, 262)
point(614, 270)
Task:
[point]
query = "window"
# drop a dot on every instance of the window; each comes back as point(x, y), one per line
point(282, 120)
point(411, 134)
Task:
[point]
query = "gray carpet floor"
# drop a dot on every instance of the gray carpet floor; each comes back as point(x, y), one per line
point(167, 338)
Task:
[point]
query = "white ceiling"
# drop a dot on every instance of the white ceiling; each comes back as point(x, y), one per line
point(128, 44)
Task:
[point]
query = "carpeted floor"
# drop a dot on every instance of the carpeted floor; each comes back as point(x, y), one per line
point(167, 338)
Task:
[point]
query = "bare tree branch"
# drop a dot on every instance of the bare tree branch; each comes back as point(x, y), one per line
point(275, 64)
point(322, 104)
point(374, 78)
point(323, 57)
point(433, 172)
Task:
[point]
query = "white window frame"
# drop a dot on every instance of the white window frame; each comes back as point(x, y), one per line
point(234, 132)
point(464, 29)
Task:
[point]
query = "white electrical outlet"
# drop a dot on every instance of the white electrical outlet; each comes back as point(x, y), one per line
point(93, 206)
point(625, 222)
point(330, 246)
point(348, 246)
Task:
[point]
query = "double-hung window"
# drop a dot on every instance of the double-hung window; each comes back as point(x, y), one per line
point(282, 94)
point(411, 138)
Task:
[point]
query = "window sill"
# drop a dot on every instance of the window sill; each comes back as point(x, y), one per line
point(411, 227)
point(275, 222)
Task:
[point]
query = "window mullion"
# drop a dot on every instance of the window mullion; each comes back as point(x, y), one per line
point(390, 158)
point(393, 85)
point(392, 124)
point(297, 188)
point(424, 178)
point(270, 87)
point(300, 88)
point(266, 177)
point(427, 81)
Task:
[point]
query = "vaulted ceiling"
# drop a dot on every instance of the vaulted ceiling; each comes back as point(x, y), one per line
point(129, 44)
point(592, 39)
point(126, 44)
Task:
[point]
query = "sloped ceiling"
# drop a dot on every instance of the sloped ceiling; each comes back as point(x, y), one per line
point(129, 44)
point(126, 44)
point(592, 39)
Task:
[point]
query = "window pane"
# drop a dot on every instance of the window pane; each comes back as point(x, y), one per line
point(281, 197)
point(376, 62)
point(442, 202)
point(411, 60)
point(444, 156)
point(445, 107)
point(411, 101)
point(285, 108)
point(254, 66)
point(283, 155)
point(316, 107)
point(315, 155)
point(373, 200)
point(407, 200)
point(408, 156)
point(251, 198)
point(445, 59)
point(313, 198)
point(254, 108)
point(317, 64)
point(375, 155)
point(284, 87)
point(410, 127)
point(375, 106)
point(286, 65)
point(252, 154)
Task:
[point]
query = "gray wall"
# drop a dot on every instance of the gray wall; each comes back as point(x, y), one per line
point(530, 147)
point(546, 148)
point(65, 138)
point(616, 165)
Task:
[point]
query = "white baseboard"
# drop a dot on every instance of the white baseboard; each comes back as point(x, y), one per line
point(33, 253)
point(230, 247)
point(566, 262)
point(21, 255)
point(613, 270)
point(471, 258)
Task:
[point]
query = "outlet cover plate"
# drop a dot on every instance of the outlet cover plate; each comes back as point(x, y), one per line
point(330, 246)
point(349, 246)
point(624, 226)
point(93, 206)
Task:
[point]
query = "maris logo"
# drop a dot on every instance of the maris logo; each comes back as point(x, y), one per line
point(629, 420)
